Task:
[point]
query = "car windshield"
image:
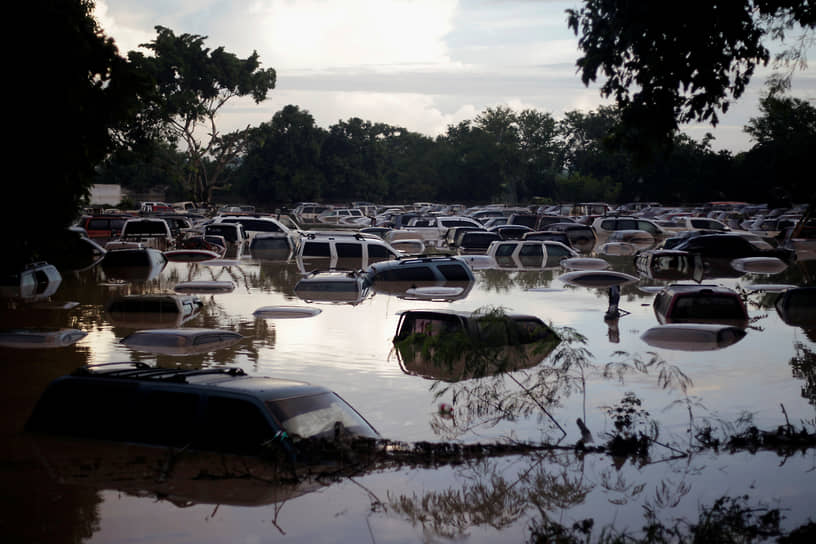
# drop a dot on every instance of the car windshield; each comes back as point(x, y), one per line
point(316, 416)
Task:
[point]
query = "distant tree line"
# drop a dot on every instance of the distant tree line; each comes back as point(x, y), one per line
point(501, 155)
point(91, 115)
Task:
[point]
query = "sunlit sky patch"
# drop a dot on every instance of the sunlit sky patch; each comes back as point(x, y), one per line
point(419, 64)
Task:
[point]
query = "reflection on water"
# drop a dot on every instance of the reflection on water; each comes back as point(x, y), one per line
point(349, 348)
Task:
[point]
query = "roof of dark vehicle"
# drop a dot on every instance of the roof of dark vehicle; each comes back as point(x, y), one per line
point(228, 379)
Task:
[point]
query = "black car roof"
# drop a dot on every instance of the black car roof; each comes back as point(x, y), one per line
point(227, 379)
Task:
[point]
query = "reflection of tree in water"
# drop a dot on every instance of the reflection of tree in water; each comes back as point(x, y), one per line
point(545, 483)
point(499, 395)
point(279, 277)
point(803, 367)
point(35, 507)
point(500, 281)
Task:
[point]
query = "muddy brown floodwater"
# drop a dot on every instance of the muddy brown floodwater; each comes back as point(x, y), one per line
point(57, 490)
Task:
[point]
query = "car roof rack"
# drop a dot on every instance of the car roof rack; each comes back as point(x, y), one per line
point(142, 371)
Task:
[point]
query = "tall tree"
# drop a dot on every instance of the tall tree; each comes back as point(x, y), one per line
point(665, 66)
point(282, 163)
point(191, 85)
point(353, 161)
point(780, 164)
point(541, 153)
point(500, 124)
point(65, 116)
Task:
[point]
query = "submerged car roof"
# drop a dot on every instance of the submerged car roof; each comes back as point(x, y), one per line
point(225, 379)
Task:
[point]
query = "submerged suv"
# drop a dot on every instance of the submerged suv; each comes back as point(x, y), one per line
point(438, 269)
point(217, 409)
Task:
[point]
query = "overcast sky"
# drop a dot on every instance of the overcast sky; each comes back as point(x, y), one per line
point(418, 64)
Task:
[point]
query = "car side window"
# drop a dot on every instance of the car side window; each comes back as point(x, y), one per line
point(168, 418)
point(648, 227)
point(348, 250)
point(234, 425)
point(454, 272)
point(505, 250)
point(316, 249)
point(377, 251)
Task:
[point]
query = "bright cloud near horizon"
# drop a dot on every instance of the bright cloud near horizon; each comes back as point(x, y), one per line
point(418, 64)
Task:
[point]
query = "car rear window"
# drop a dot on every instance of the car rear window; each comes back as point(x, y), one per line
point(709, 306)
point(98, 224)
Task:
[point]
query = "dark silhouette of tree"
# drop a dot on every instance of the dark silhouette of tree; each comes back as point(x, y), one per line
point(71, 102)
point(667, 67)
point(282, 163)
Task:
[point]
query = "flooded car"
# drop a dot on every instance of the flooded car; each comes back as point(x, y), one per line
point(700, 304)
point(133, 264)
point(180, 341)
point(36, 281)
point(350, 287)
point(217, 409)
point(420, 269)
point(152, 311)
point(453, 345)
point(693, 336)
point(40, 338)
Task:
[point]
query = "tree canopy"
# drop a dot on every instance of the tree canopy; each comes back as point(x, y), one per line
point(667, 65)
point(77, 89)
point(191, 83)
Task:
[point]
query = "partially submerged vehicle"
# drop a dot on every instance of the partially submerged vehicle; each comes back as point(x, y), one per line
point(606, 226)
point(365, 247)
point(529, 253)
point(40, 338)
point(134, 264)
point(36, 281)
point(759, 265)
point(149, 232)
point(797, 307)
point(233, 233)
point(680, 303)
point(191, 255)
point(349, 287)
point(476, 241)
point(511, 232)
point(601, 279)
point(180, 341)
point(213, 243)
point(584, 263)
point(439, 269)
point(669, 264)
point(285, 312)
point(104, 226)
point(582, 237)
point(731, 246)
point(212, 409)
point(276, 246)
point(204, 287)
point(452, 346)
point(153, 311)
point(409, 246)
point(693, 336)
